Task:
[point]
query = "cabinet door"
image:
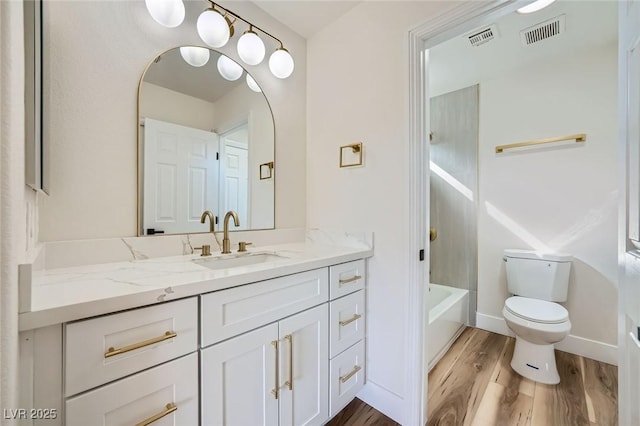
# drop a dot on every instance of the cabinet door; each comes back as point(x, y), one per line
point(238, 377)
point(304, 355)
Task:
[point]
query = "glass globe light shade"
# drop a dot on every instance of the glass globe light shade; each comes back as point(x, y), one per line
point(229, 69)
point(195, 56)
point(213, 29)
point(168, 13)
point(281, 63)
point(253, 85)
point(251, 48)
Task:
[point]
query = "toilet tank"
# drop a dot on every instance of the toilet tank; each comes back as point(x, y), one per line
point(536, 275)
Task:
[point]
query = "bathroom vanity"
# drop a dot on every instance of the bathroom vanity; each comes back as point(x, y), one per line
point(274, 336)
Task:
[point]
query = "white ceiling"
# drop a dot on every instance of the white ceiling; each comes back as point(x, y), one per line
point(306, 17)
point(455, 64)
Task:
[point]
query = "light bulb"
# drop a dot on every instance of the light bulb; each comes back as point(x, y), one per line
point(252, 84)
point(213, 29)
point(535, 6)
point(281, 63)
point(195, 56)
point(229, 69)
point(251, 48)
point(168, 13)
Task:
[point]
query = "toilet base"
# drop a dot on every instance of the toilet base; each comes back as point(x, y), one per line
point(535, 362)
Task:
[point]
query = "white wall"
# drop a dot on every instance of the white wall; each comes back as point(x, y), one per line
point(358, 91)
point(168, 105)
point(18, 211)
point(95, 54)
point(562, 199)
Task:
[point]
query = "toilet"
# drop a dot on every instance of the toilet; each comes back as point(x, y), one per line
point(537, 281)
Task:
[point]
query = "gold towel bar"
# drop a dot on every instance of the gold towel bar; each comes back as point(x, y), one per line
point(349, 375)
point(171, 407)
point(350, 280)
point(113, 351)
point(579, 137)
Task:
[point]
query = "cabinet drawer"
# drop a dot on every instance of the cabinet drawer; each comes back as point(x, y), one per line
point(346, 278)
point(144, 337)
point(346, 377)
point(346, 322)
point(170, 389)
point(231, 312)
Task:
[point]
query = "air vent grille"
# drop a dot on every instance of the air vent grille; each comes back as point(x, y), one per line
point(483, 36)
point(543, 30)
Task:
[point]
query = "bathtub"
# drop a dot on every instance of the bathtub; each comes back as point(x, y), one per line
point(448, 314)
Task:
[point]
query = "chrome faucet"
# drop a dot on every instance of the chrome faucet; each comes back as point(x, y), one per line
point(212, 220)
point(226, 243)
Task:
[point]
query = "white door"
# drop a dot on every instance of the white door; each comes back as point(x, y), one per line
point(629, 288)
point(234, 175)
point(180, 177)
point(304, 368)
point(237, 379)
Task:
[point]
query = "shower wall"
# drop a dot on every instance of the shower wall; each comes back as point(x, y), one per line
point(454, 191)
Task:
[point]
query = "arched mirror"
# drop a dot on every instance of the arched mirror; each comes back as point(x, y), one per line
point(206, 141)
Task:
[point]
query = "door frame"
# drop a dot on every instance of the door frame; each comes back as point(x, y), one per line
point(454, 22)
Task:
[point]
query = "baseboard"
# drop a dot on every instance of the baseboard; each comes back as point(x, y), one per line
point(383, 400)
point(600, 351)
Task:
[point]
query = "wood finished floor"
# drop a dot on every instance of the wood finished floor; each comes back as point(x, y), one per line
point(473, 384)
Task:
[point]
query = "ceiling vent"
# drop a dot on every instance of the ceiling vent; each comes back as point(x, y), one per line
point(543, 30)
point(483, 36)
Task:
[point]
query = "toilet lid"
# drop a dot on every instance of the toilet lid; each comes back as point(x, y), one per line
point(537, 310)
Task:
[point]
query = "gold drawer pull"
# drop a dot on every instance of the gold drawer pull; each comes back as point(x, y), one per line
point(289, 382)
point(171, 407)
point(350, 374)
point(355, 317)
point(113, 351)
point(274, 391)
point(350, 280)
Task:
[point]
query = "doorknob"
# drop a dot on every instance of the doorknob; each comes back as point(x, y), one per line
point(433, 234)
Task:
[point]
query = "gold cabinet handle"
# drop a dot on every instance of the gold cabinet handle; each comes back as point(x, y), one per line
point(171, 407)
point(433, 233)
point(350, 374)
point(355, 317)
point(113, 351)
point(274, 391)
point(289, 382)
point(350, 280)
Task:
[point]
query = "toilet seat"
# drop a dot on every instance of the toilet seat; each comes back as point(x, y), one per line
point(535, 310)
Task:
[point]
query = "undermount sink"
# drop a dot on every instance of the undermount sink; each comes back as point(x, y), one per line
point(224, 262)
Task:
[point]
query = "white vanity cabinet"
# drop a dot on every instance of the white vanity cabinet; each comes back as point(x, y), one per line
point(286, 351)
point(276, 374)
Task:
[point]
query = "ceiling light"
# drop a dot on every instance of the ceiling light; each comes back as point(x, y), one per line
point(229, 69)
point(251, 47)
point(281, 63)
point(168, 13)
point(195, 56)
point(252, 84)
point(535, 6)
point(212, 28)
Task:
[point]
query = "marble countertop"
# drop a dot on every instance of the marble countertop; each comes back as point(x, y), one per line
point(68, 294)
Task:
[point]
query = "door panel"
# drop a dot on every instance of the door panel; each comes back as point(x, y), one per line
point(304, 356)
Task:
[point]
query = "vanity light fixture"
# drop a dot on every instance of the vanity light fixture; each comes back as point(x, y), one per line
point(168, 13)
point(535, 6)
point(229, 69)
point(195, 56)
point(214, 24)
